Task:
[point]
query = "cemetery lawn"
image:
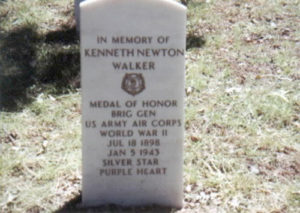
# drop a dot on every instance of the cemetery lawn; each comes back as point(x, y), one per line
point(242, 140)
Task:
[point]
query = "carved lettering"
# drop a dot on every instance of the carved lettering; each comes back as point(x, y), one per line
point(145, 65)
point(111, 123)
point(116, 162)
point(116, 133)
point(151, 171)
point(146, 162)
point(147, 133)
point(105, 104)
point(115, 172)
point(116, 153)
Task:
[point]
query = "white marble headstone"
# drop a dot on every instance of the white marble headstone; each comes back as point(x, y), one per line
point(132, 64)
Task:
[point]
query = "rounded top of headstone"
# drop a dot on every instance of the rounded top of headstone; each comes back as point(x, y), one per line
point(168, 3)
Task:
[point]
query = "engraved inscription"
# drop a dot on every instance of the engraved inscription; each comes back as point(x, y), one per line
point(133, 132)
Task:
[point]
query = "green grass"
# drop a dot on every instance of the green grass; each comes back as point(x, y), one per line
point(242, 101)
point(41, 154)
point(242, 147)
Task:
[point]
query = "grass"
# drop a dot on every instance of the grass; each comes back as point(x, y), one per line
point(38, 47)
point(242, 123)
point(37, 148)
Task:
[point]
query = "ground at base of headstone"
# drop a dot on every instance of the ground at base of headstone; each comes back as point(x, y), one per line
point(75, 205)
point(242, 110)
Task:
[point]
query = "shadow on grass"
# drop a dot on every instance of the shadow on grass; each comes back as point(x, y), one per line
point(193, 41)
point(30, 61)
point(17, 52)
point(74, 205)
point(66, 35)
